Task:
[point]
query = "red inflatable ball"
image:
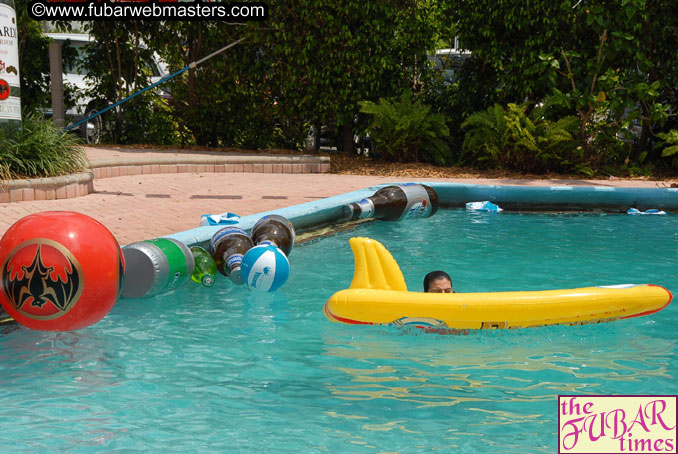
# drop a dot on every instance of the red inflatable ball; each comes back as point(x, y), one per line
point(59, 271)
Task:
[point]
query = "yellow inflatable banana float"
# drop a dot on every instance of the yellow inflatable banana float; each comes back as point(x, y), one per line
point(378, 296)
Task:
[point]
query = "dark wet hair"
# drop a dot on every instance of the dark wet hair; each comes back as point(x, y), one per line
point(433, 275)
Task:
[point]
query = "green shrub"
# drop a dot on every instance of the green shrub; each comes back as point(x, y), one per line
point(145, 119)
point(669, 145)
point(39, 149)
point(509, 138)
point(407, 130)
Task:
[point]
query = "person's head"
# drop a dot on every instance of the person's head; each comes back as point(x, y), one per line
point(438, 282)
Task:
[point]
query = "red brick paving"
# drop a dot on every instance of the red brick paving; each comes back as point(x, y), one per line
point(147, 206)
point(138, 207)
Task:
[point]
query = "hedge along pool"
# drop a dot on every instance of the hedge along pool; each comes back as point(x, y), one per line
point(223, 369)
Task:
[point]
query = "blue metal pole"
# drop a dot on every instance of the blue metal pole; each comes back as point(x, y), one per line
point(164, 79)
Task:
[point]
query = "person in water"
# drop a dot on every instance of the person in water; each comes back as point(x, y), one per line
point(438, 282)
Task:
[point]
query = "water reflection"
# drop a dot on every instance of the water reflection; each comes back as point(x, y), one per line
point(223, 369)
point(494, 367)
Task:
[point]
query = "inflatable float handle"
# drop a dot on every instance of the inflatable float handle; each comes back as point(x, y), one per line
point(375, 267)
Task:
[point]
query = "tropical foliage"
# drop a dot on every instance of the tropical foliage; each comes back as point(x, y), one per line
point(612, 63)
point(669, 145)
point(509, 138)
point(406, 130)
point(34, 61)
point(606, 70)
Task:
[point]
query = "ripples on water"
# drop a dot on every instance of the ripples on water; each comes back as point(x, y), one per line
point(226, 370)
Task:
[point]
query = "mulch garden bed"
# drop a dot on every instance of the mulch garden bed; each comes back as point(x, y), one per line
point(343, 164)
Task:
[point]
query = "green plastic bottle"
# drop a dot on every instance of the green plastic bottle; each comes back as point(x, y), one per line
point(205, 267)
point(10, 86)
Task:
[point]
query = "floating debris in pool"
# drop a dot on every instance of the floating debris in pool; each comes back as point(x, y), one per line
point(652, 211)
point(485, 206)
point(219, 219)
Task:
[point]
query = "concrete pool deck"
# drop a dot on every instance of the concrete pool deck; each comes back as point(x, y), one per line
point(148, 205)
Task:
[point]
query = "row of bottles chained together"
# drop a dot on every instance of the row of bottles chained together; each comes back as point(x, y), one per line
point(257, 260)
point(230, 247)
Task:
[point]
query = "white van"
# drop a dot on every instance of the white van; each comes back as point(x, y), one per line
point(449, 62)
point(86, 105)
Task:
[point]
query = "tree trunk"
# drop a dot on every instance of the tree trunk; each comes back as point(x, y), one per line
point(347, 138)
point(316, 137)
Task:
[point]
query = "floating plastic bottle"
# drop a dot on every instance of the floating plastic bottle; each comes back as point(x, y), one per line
point(156, 266)
point(394, 203)
point(485, 206)
point(228, 246)
point(652, 211)
point(205, 267)
point(276, 230)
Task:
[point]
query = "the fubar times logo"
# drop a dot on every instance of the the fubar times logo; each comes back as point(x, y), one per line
point(617, 424)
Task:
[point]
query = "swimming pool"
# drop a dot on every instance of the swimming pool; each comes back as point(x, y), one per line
point(223, 369)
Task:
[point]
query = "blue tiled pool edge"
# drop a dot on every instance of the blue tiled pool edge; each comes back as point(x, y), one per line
point(307, 215)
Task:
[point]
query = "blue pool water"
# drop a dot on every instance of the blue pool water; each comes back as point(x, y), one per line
point(222, 369)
